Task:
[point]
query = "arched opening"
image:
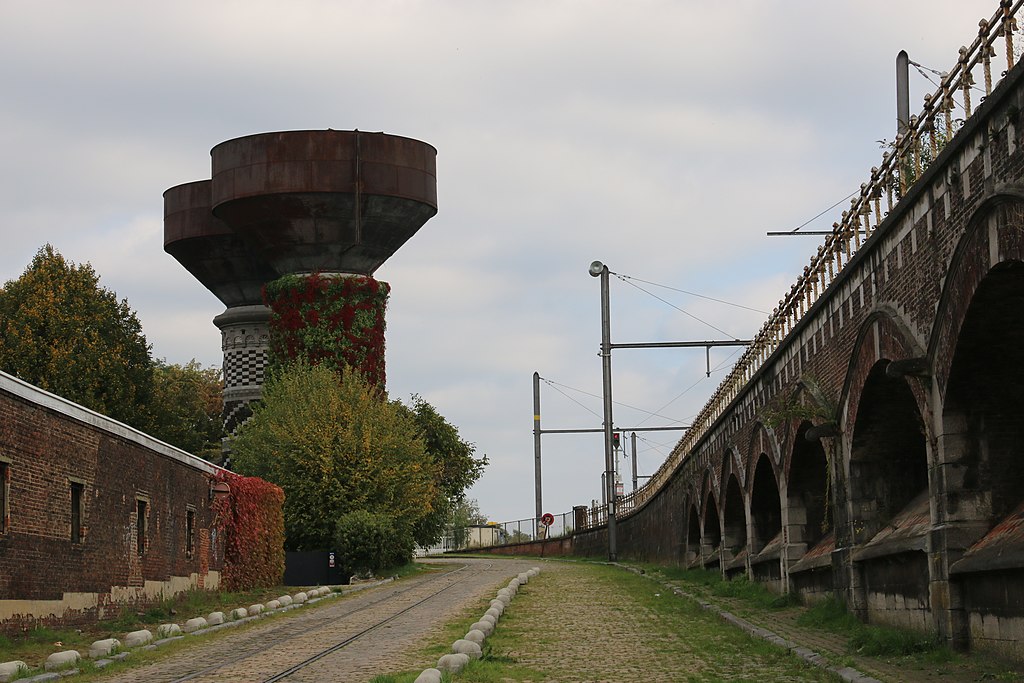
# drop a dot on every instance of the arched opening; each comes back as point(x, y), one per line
point(735, 530)
point(889, 457)
point(983, 462)
point(765, 506)
point(712, 537)
point(890, 504)
point(810, 510)
point(692, 536)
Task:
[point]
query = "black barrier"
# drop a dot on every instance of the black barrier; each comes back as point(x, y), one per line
point(312, 568)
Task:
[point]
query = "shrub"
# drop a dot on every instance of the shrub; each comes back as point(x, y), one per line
point(368, 542)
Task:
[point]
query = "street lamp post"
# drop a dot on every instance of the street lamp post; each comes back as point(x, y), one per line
point(598, 269)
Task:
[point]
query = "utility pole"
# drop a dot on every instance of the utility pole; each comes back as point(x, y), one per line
point(598, 269)
point(536, 449)
point(633, 447)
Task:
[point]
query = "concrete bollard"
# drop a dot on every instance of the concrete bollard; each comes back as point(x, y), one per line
point(168, 630)
point(195, 624)
point(239, 613)
point(9, 670)
point(488, 618)
point(62, 660)
point(272, 605)
point(485, 626)
point(103, 648)
point(494, 612)
point(215, 618)
point(285, 600)
point(429, 676)
point(467, 647)
point(498, 605)
point(534, 571)
point(138, 638)
point(476, 635)
point(255, 609)
point(453, 663)
point(524, 578)
point(300, 598)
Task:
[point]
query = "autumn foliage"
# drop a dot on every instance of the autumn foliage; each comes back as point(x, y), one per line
point(251, 519)
point(336, 321)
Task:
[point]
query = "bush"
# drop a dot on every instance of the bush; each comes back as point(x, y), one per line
point(368, 543)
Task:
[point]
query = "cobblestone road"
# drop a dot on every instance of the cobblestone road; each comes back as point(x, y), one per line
point(259, 652)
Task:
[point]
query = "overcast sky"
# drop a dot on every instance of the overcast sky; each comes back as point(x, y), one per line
point(663, 138)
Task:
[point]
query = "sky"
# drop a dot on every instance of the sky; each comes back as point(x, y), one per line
point(663, 138)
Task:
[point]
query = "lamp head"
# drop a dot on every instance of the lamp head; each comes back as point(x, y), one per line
point(596, 268)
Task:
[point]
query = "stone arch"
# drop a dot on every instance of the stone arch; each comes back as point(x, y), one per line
point(711, 526)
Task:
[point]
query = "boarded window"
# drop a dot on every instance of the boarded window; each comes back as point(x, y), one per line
point(76, 511)
point(141, 509)
point(190, 532)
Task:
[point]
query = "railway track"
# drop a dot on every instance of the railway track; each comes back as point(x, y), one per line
point(328, 642)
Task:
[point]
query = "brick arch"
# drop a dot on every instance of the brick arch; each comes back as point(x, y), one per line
point(994, 235)
point(710, 520)
point(765, 502)
point(762, 440)
point(883, 337)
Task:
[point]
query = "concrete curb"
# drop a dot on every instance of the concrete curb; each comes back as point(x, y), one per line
point(846, 673)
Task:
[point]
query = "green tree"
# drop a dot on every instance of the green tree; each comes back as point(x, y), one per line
point(456, 468)
point(186, 407)
point(335, 445)
point(464, 515)
point(61, 331)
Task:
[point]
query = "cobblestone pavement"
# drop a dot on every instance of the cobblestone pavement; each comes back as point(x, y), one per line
point(259, 652)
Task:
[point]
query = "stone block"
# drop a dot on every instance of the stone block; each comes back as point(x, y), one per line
point(485, 626)
point(498, 605)
point(467, 647)
point(9, 670)
point(255, 609)
point(300, 598)
point(214, 618)
point(195, 624)
point(138, 638)
point(524, 578)
point(285, 600)
point(494, 612)
point(489, 619)
point(476, 635)
point(239, 613)
point(168, 631)
point(453, 663)
point(103, 648)
point(272, 605)
point(429, 676)
point(62, 660)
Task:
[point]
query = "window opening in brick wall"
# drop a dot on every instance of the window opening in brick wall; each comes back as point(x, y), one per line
point(190, 532)
point(5, 490)
point(141, 508)
point(76, 511)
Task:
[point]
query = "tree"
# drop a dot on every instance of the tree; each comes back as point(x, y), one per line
point(464, 515)
point(456, 467)
point(186, 408)
point(61, 331)
point(335, 445)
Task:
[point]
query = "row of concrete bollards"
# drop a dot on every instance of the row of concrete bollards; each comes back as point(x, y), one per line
point(109, 650)
point(470, 646)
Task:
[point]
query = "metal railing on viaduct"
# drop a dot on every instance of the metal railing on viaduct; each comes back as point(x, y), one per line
point(869, 444)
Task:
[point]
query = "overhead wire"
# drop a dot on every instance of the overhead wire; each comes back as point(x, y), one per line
point(672, 305)
point(683, 291)
point(552, 383)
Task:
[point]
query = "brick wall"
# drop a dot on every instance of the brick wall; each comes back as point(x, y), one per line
point(48, 445)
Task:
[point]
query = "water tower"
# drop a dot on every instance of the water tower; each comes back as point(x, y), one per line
point(325, 204)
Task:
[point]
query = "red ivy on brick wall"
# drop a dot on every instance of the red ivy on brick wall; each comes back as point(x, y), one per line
point(252, 522)
point(334, 320)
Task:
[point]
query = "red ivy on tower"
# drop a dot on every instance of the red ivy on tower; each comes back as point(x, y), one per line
point(337, 320)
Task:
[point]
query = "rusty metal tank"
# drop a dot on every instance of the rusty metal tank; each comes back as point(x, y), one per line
point(210, 250)
point(325, 200)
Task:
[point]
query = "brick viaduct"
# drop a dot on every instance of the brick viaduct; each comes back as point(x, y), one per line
point(876, 450)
